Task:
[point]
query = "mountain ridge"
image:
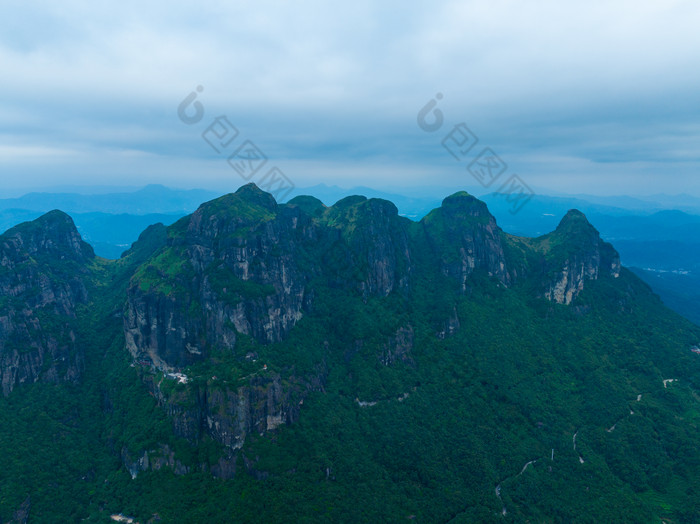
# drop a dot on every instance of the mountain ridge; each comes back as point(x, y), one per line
point(291, 349)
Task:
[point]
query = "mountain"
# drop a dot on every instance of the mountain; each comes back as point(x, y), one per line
point(662, 245)
point(265, 362)
point(41, 287)
point(413, 204)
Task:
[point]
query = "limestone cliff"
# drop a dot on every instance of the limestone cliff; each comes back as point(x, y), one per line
point(237, 265)
point(463, 236)
point(242, 265)
point(42, 272)
point(558, 264)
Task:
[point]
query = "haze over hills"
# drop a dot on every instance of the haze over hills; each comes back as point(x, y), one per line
point(150, 199)
point(257, 361)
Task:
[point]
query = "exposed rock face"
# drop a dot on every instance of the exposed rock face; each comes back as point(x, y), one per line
point(155, 459)
point(229, 414)
point(21, 515)
point(377, 244)
point(41, 268)
point(576, 254)
point(450, 326)
point(243, 265)
point(237, 265)
point(464, 236)
point(398, 347)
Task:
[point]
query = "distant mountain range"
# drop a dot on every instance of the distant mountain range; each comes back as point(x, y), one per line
point(151, 199)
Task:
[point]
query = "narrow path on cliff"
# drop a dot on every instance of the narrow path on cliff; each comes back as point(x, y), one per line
point(512, 477)
point(580, 458)
point(499, 488)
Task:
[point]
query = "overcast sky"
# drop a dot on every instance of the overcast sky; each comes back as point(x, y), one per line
point(603, 98)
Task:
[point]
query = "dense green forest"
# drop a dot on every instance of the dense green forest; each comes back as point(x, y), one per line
point(517, 409)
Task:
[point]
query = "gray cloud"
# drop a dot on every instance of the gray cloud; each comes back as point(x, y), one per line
point(599, 97)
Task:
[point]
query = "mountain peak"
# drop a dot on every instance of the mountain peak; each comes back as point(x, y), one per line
point(574, 214)
point(155, 189)
point(461, 193)
point(461, 205)
point(252, 194)
point(575, 221)
point(309, 204)
point(53, 233)
point(56, 216)
point(463, 199)
point(459, 197)
point(349, 201)
point(576, 253)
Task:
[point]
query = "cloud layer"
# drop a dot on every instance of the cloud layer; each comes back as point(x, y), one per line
point(602, 97)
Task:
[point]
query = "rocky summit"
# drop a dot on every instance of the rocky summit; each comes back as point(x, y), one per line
point(265, 362)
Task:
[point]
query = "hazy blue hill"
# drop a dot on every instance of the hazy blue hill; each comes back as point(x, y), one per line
point(679, 291)
point(150, 199)
point(11, 217)
point(666, 225)
point(112, 234)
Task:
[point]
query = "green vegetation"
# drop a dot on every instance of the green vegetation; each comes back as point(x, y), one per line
point(401, 417)
point(232, 289)
point(310, 205)
point(162, 271)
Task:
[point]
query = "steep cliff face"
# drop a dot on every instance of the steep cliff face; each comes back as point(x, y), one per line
point(154, 459)
point(398, 347)
point(243, 267)
point(573, 254)
point(43, 265)
point(237, 265)
point(228, 414)
point(376, 244)
point(557, 265)
point(463, 236)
